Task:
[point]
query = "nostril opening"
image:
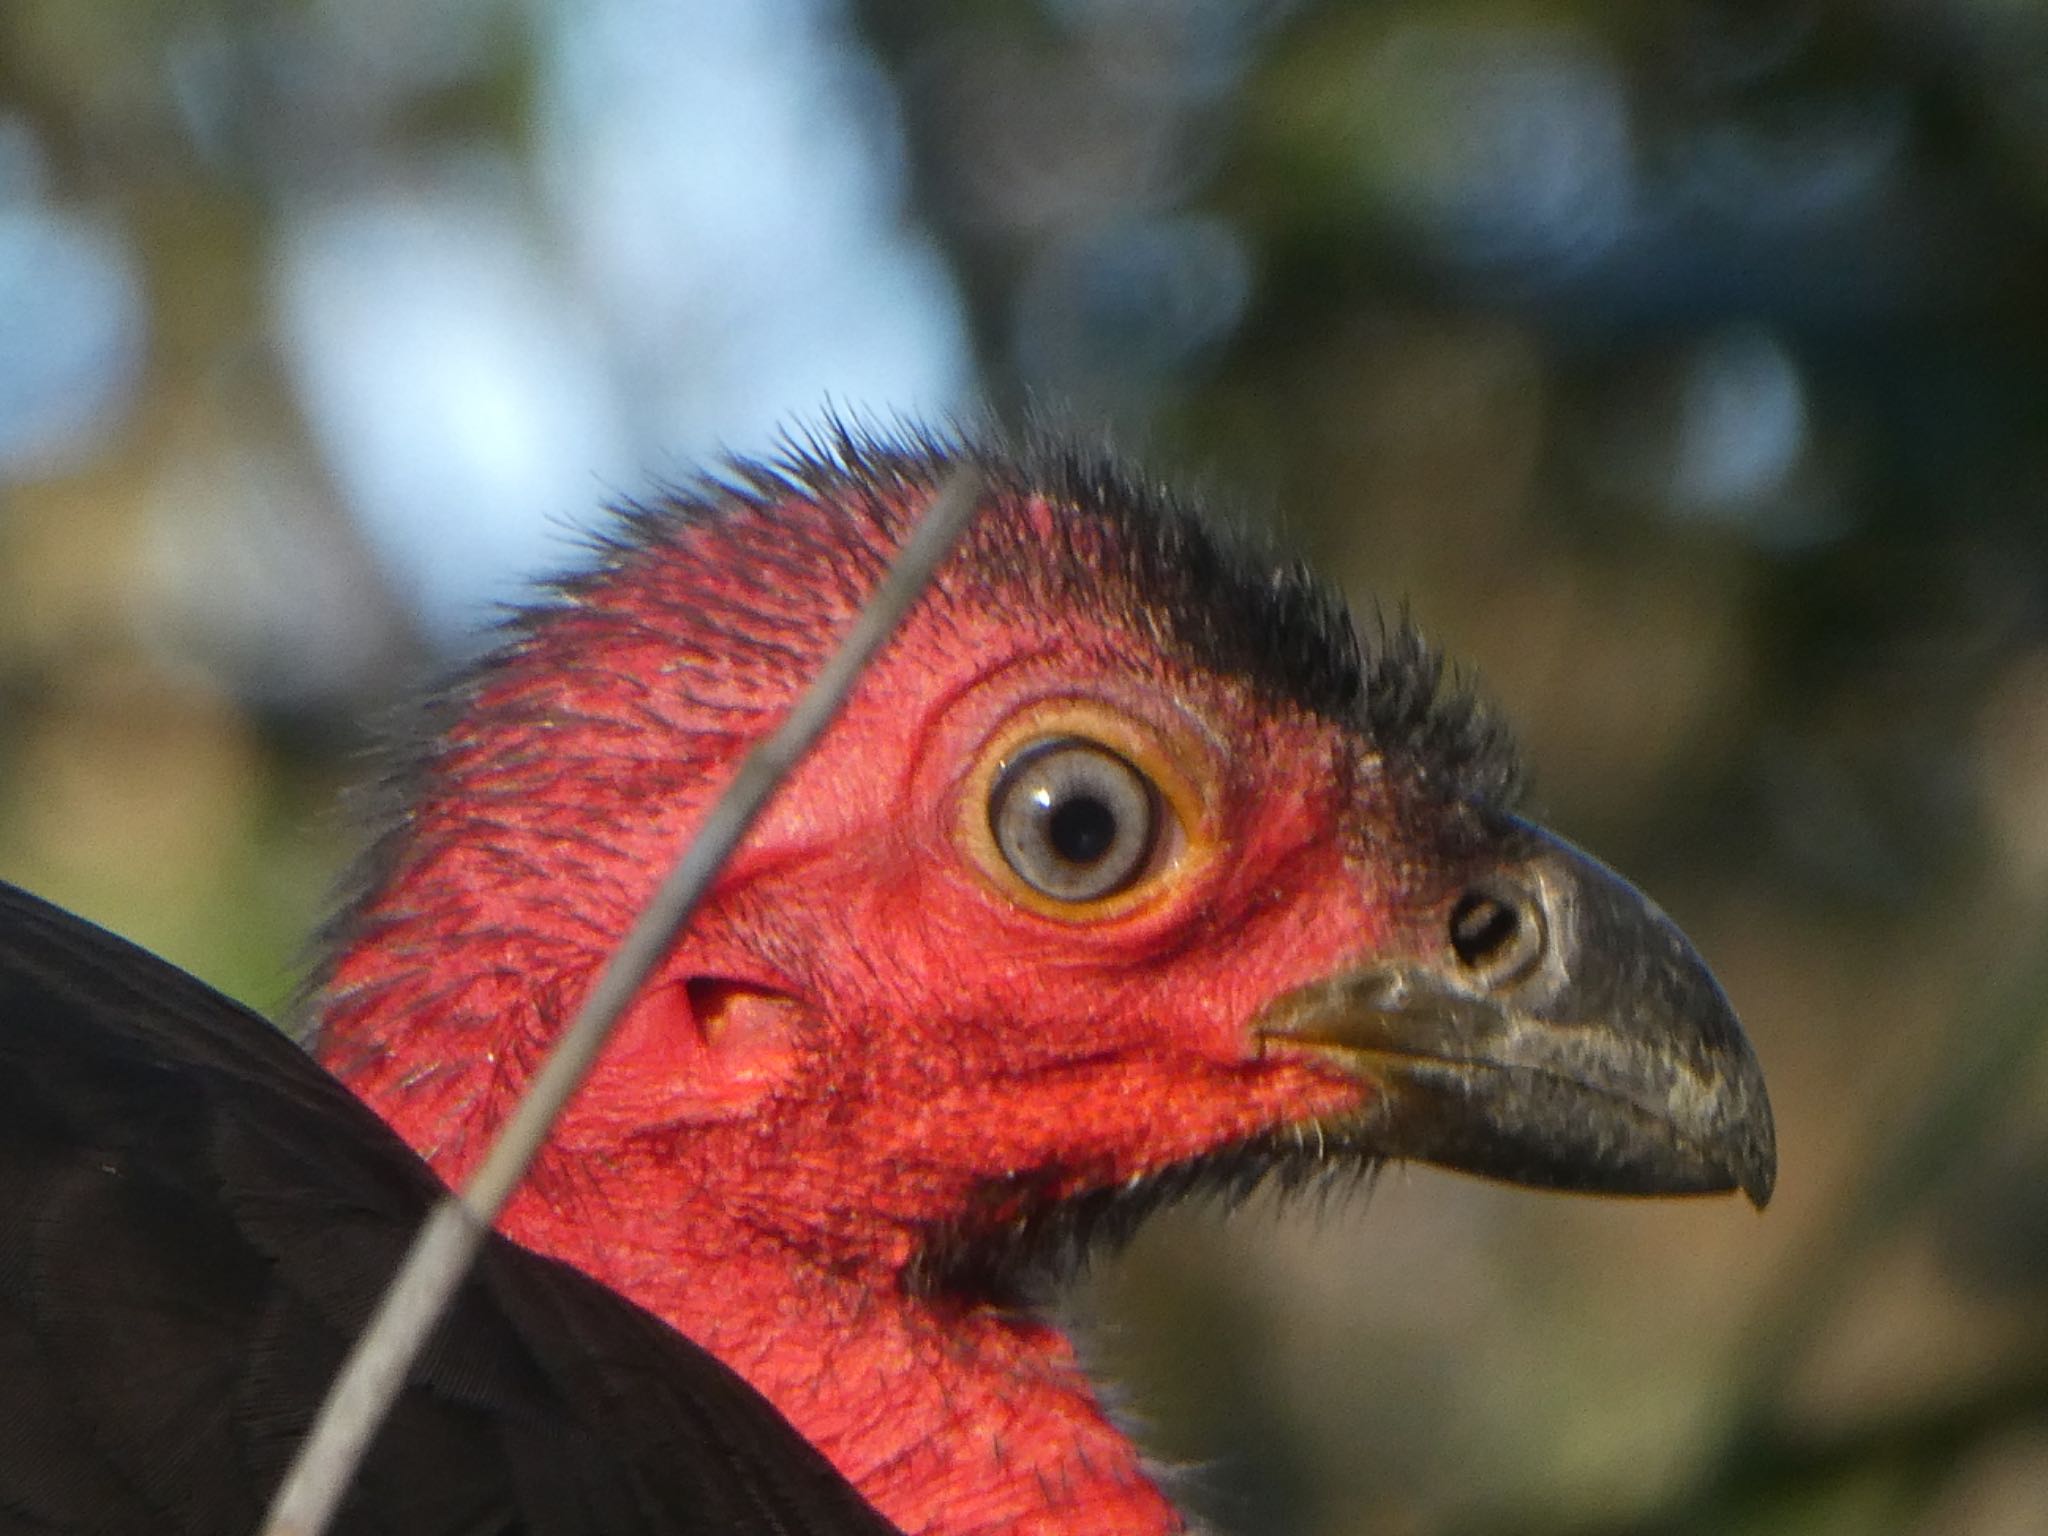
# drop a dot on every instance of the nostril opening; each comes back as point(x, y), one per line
point(1494, 933)
point(1482, 927)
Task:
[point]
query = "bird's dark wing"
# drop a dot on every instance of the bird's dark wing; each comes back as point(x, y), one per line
point(195, 1220)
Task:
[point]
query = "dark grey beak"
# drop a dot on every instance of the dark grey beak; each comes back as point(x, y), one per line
point(1563, 1034)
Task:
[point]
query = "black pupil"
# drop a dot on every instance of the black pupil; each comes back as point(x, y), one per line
point(1081, 829)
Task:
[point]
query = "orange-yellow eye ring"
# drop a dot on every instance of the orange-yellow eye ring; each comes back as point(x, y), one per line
point(1077, 811)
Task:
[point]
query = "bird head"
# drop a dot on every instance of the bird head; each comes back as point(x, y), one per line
point(1128, 867)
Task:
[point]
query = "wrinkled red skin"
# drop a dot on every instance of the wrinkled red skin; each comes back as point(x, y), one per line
point(877, 1036)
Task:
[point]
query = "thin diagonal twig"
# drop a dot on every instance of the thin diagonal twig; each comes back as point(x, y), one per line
point(448, 1240)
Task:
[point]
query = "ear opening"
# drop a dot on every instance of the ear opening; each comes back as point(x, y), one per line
point(700, 1048)
point(739, 1016)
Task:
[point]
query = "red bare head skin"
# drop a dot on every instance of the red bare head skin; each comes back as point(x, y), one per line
point(879, 1048)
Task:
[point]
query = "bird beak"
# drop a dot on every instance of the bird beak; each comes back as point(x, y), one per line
point(1567, 1036)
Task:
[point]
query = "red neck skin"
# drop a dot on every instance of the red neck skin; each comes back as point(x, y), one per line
point(953, 1417)
point(950, 1421)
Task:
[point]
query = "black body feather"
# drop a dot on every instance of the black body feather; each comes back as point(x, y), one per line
point(195, 1220)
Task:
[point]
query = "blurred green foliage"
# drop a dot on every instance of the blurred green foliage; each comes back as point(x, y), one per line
point(1684, 365)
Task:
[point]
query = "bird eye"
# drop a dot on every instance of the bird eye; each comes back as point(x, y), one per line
point(1074, 820)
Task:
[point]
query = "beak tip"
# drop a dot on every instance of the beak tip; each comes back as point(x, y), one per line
point(1757, 1173)
point(1754, 1163)
point(1757, 1184)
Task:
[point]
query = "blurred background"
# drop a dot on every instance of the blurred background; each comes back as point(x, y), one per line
point(1685, 365)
